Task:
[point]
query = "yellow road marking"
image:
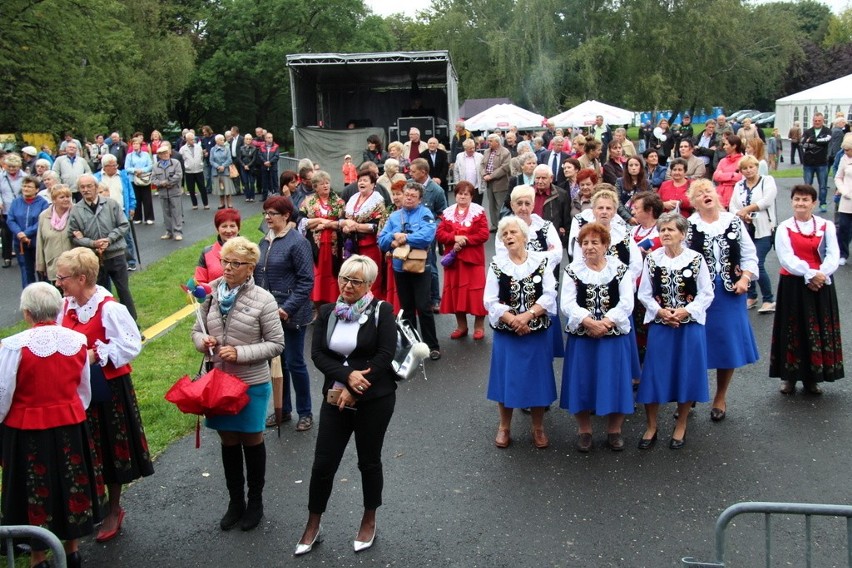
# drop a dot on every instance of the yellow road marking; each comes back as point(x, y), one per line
point(167, 323)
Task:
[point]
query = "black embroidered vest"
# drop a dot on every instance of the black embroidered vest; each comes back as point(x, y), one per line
point(729, 252)
point(674, 289)
point(524, 292)
point(597, 298)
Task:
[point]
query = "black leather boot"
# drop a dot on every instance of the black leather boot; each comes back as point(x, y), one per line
point(74, 560)
point(232, 460)
point(255, 477)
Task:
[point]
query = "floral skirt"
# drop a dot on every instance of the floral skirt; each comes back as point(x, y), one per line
point(806, 343)
point(116, 427)
point(51, 480)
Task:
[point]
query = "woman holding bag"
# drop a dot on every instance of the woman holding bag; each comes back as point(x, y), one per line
point(243, 332)
point(353, 346)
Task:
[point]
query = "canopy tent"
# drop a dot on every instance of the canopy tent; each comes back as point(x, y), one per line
point(828, 98)
point(584, 114)
point(504, 116)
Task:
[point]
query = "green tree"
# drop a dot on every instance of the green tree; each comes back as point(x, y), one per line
point(839, 30)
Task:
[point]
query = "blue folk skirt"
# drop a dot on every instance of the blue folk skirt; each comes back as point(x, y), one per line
point(598, 375)
point(556, 336)
point(675, 367)
point(730, 340)
point(251, 419)
point(521, 373)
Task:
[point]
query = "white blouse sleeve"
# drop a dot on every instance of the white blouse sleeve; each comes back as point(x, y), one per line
point(635, 266)
point(125, 342)
point(646, 295)
point(573, 246)
point(736, 197)
point(491, 299)
point(547, 300)
point(570, 308)
point(698, 307)
point(770, 192)
point(832, 252)
point(84, 389)
point(620, 313)
point(787, 257)
point(748, 254)
point(554, 246)
point(10, 359)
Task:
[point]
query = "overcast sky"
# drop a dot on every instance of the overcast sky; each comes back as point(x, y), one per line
point(410, 7)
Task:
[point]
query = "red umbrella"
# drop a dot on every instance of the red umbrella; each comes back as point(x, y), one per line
point(212, 394)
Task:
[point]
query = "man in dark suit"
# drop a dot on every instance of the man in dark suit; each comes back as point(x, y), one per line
point(552, 202)
point(554, 158)
point(439, 164)
point(118, 148)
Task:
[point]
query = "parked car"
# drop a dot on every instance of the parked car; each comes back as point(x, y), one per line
point(741, 114)
point(765, 120)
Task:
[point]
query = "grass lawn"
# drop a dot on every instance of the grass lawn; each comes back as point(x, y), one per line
point(157, 294)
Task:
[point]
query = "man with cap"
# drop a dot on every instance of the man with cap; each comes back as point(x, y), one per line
point(28, 159)
point(167, 176)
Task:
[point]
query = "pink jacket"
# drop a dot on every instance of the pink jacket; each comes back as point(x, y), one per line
point(727, 174)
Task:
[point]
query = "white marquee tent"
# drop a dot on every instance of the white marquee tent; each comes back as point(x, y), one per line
point(584, 114)
point(828, 98)
point(504, 116)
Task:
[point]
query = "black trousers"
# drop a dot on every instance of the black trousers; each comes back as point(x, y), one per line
point(5, 238)
point(369, 424)
point(144, 203)
point(114, 269)
point(414, 291)
point(194, 181)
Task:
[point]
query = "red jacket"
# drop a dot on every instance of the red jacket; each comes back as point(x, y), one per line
point(476, 232)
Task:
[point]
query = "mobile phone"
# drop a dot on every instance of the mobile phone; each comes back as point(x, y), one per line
point(333, 396)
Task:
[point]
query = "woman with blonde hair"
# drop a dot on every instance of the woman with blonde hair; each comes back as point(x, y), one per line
point(396, 151)
point(755, 147)
point(52, 236)
point(391, 174)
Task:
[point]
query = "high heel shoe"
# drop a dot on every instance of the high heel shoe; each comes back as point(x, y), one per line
point(360, 545)
point(305, 548)
point(675, 444)
point(646, 444)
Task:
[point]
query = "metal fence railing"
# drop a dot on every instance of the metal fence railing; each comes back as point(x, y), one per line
point(806, 510)
point(9, 533)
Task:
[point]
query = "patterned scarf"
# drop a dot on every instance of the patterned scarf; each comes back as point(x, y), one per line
point(352, 312)
point(58, 222)
point(226, 297)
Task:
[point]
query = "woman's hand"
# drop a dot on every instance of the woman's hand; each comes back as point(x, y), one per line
point(741, 285)
point(209, 342)
point(283, 315)
point(681, 314)
point(345, 399)
point(93, 357)
point(595, 328)
point(461, 240)
point(668, 317)
point(228, 353)
point(220, 168)
point(357, 381)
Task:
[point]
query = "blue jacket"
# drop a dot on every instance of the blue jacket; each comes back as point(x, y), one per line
point(126, 190)
point(140, 162)
point(434, 198)
point(419, 224)
point(286, 270)
point(220, 156)
point(23, 216)
point(658, 178)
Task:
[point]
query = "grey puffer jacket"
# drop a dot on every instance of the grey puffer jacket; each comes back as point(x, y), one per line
point(252, 326)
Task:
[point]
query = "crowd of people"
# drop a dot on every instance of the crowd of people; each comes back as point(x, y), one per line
point(636, 267)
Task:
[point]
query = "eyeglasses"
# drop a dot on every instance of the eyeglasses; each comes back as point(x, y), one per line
point(61, 278)
point(271, 213)
point(234, 263)
point(354, 281)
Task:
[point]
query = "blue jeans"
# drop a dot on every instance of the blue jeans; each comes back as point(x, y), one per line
point(822, 179)
point(844, 233)
point(763, 245)
point(432, 261)
point(247, 178)
point(131, 248)
point(293, 365)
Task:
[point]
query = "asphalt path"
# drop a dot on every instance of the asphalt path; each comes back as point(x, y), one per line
point(452, 499)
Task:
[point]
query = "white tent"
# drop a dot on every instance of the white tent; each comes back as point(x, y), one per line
point(828, 98)
point(504, 116)
point(584, 114)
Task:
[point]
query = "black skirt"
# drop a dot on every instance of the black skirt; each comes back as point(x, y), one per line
point(806, 343)
point(51, 480)
point(116, 427)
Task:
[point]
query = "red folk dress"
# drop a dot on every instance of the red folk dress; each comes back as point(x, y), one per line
point(368, 210)
point(464, 280)
point(325, 244)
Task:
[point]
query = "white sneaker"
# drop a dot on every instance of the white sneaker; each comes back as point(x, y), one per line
point(149, 222)
point(842, 262)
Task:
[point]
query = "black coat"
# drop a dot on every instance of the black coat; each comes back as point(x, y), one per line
point(440, 168)
point(544, 158)
point(374, 350)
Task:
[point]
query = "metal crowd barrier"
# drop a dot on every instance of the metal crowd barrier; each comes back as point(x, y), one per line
point(768, 509)
point(9, 533)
